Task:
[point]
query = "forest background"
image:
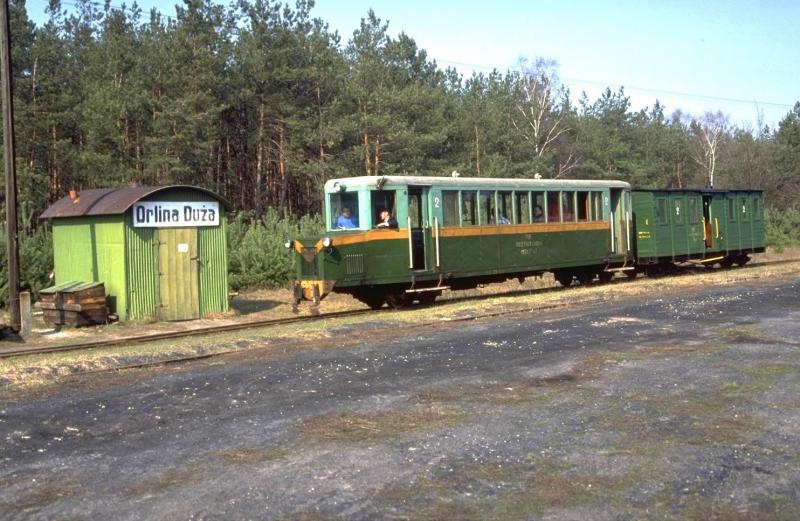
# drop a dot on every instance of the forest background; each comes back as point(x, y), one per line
point(262, 103)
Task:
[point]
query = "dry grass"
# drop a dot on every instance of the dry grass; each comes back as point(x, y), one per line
point(248, 455)
point(379, 425)
point(171, 479)
point(525, 391)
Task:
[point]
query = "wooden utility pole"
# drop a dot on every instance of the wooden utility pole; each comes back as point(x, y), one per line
point(11, 172)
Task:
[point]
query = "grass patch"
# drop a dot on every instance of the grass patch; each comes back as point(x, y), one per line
point(378, 425)
point(45, 493)
point(174, 478)
point(525, 391)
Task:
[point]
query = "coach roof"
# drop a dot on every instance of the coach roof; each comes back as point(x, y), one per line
point(471, 182)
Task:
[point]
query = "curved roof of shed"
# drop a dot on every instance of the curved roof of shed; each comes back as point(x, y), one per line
point(112, 201)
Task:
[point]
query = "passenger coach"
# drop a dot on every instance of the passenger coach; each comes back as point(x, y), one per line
point(455, 233)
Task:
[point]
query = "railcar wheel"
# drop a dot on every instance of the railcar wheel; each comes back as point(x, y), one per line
point(564, 278)
point(370, 299)
point(396, 300)
point(426, 299)
point(605, 276)
point(727, 262)
point(741, 260)
point(631, 274)
point(585, 278)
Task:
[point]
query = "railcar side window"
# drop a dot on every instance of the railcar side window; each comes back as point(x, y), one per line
point(344, 210)
point(677, 211)
point(486, 207)
point(568, 206)
point(661, 211)
point(597, 206)
point(694, 215)
point(583, 206)
point(757, 208)
point(538, 207)
point(450, 208)
point(505, 209)
point(468, 212)
point(743, 204)
point(553, 208)
point(523, 207)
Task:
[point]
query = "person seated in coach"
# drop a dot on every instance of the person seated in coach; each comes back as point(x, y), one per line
point(346, 220)
point(386, 220)
point(538, 214)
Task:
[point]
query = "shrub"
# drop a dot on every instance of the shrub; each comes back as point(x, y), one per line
point(256, 253)
point(35, 261)
point(782, 228)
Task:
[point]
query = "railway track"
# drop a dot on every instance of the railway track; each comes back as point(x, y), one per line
point(36, 350)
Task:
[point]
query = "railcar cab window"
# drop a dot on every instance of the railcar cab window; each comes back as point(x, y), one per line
point(383, 200)
point(344, 210)
point(450, 208)
point(468, 210)
point(523, 207)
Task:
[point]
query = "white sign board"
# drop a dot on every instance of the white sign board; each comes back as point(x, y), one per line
point(157, 214)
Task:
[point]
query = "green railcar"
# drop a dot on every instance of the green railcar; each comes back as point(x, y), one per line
point(708, 226)
point(455, 233)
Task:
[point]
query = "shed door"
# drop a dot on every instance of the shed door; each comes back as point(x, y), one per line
point(178, 274)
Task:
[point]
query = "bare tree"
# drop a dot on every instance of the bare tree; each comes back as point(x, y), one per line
point(708, 131)
point(541, 110)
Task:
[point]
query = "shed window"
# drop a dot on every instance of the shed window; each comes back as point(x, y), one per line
point(583, 206)
point(450, 208)
point(505, 209)
point(485, 207)
point(677, 211)
point(661, 211)
point(694, 214)
point(468, 211)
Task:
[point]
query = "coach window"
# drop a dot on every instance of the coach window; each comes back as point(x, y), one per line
point(583, 206)
point(523, 207)
point(450, 208)
point(553, 208)
point(757, 208)
point(568, 206)
point(468, 212)
point(661, 211)
point(539, 207)
point(485, 207)
point(597, 206)
point(677, 211)
point(732, 209)
point(694, 214)
point(743, 205)
point(505, 207)
point(344, 210)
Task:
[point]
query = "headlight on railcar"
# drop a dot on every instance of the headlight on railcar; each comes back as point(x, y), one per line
point(288, 244)
point(326, 242)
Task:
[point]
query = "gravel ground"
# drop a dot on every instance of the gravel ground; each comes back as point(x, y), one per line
point(673, 407)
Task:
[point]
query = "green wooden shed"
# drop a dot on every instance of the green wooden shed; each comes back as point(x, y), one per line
point(161, 251)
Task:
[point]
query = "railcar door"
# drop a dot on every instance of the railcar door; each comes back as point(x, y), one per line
point(418, 228)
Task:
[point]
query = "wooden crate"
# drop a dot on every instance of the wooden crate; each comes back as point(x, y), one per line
point(74, 304)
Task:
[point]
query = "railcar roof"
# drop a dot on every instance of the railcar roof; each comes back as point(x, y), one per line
point(470, 182)
point(699, 190)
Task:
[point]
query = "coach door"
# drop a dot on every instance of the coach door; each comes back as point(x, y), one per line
point(178, 274)
point(418, 228)
point(620, 221)
point(714, 221)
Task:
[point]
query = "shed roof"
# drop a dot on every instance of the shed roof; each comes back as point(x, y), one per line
point(111, 201)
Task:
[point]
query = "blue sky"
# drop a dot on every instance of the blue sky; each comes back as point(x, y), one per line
point(693, 55)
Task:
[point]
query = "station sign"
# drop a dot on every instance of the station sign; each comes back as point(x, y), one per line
point(161, 214)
